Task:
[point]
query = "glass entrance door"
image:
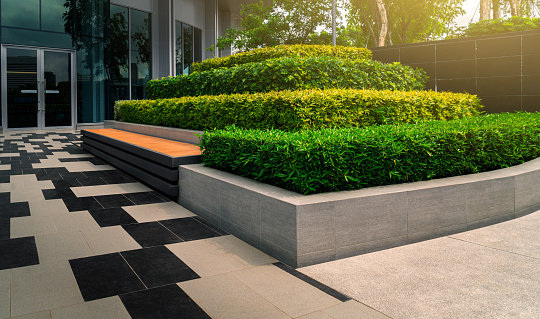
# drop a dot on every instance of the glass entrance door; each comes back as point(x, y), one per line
point(37, 88)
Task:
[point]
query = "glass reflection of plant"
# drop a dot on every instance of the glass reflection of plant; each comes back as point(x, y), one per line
point(188, 47)
point(141, 42)
point(118, 48)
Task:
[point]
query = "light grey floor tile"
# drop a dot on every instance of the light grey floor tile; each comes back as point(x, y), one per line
point(109, 240)
point(4, 187)
point(5, 167)
point(86, 191)
point(317, 315)
point(32, 226)
point(45, 314)
point(353, 309)
point(47, 207)
point(224, 296)
point(67, 222)
point(221, 255)
point(43, 287)
point(290, 294)
point(9, 154)
point(108, 308)
point(155, 212)
point(5, 282)
point(62, 247)
point(27, 195)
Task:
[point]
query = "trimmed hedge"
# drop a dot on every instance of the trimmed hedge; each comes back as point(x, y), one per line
point(347, 159)
point(283, 51)
point(294, 110)
point(291, 74)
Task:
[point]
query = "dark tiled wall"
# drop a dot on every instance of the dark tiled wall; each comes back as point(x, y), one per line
point(503, 70)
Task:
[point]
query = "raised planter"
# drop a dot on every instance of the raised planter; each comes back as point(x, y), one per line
point(175, 134)
point(303, 230)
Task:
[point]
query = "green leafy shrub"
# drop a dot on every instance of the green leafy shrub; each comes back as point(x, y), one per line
point(347, 159)
point(512, 24)
point(291, 74)
point(296, 110)
point(283, 51)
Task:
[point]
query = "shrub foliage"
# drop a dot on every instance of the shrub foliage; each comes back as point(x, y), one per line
point(296, 110)
point(512, 24)
point(291, 74)
point(283, 51)
point(346, 159)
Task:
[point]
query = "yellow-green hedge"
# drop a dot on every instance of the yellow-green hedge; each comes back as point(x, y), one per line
point(281, 51)
point(298, 110)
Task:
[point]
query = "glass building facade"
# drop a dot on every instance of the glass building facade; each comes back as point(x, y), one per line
point(65, 62)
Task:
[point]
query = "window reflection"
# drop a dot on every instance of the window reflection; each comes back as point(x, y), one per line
point(20, 14)
point(140, 53)
point(52, 13)
point(119, 51)
point(188, 47)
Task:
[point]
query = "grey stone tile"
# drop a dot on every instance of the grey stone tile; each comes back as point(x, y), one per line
point(490, 221)
point(316, 227)
point(527, 191)
point(368, 247)
point(206, 192)
point(156, 212)
point(368, 219)
point(436, 232)
point(184, 182)
point(436, 208)
point(47, 207)
point(41, 287)
point(286, 256)
point(490, 198)
point(278, 224)
point(318, 257)
point(45, 314)
point(109, 240)
point(241, 206)
point(69, 222)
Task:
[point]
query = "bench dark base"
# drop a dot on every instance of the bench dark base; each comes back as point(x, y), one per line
point(158, 170)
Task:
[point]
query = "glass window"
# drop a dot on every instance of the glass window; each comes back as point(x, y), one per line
point(20, 13)
point(52, 14)
point(119, 53)
point(179, 51)
point(141, 49)
point(36, 38)
point(187, 34)
point(91, 82)
point(197, 45)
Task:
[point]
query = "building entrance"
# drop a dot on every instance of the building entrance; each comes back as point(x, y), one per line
point(38, 88)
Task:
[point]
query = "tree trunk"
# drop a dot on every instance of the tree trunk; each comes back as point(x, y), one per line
point(485, 10)
point(384, 23)
point(515, 7)
point(496, 9)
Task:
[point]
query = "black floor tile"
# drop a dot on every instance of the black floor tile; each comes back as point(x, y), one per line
point(18, 252)
point(14, 210)
point(189, 229)
point(112, 217)
point(162, 303)
point(4, 198)
point(58, 193)
point(91, 181)
point(113, 201)
point(81, 203)
point(151, 234)
point(165, 198)
point(144, 198)
point(104, 276)
point(158, 266)
point(208, 224)
point(66, 183)
point(4, 228)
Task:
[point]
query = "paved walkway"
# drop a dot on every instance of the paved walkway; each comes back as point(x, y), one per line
point(491, 272)
point(80, 239)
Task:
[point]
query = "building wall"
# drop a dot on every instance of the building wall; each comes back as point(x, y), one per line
point(503, 70)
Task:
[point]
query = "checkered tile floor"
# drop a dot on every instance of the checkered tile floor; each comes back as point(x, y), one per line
point(80, 239)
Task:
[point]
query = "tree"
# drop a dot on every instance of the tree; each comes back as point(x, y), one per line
point(283, 22)
point(408, 20)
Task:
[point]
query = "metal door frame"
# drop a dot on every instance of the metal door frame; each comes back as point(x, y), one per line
point(41, 87)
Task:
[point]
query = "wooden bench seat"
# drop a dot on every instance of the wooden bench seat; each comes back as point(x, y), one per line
point(151, 159)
